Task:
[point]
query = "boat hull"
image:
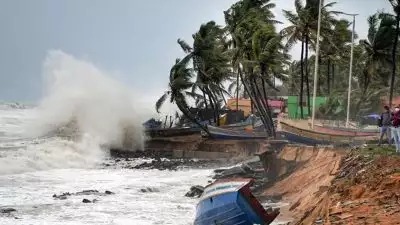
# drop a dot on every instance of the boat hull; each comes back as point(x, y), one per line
point(229, 203)
point(171, 132)
point(345, 131)
point(227, 134)
point(314, 137)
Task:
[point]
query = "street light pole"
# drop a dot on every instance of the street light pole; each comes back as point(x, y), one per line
point(316, 65)
point(351, 69)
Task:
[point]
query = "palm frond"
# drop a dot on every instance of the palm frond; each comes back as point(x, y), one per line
point(160, 102)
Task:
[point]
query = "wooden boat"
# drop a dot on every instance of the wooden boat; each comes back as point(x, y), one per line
point(299, 139)
point(171, 132)
point(345, 131)
point(230, 134)
point(299, 135)
point(231, 202)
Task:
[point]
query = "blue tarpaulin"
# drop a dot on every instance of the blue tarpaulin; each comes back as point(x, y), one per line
point(372, 116)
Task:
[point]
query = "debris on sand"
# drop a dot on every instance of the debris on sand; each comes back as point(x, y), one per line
point(365, 191)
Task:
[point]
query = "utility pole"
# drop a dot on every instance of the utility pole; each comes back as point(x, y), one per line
point(316, 65)
point(351, 68)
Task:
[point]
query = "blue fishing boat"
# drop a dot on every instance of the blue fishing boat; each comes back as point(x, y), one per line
point(230, 202)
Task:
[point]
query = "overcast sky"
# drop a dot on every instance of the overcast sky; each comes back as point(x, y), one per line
point(136, 40)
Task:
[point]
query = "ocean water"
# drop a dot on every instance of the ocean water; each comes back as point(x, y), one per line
point(31, 172)
point(61, 145)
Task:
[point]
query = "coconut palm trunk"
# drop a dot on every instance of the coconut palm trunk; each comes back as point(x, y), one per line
point(333, 75)
point(237, 92)
point(307, 75)
point(328, 76)
point(182, 106)
point(268, 108)
point(396, 39)
point(301, 80)
point(250, 91)
point(263, 107)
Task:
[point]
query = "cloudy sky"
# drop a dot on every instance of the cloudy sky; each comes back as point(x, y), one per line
point(134, 40)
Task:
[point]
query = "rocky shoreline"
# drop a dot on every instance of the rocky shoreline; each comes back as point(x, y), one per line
point(319, 185)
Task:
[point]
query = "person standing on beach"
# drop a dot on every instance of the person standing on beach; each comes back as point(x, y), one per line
point(396, 128)
point(385, 123)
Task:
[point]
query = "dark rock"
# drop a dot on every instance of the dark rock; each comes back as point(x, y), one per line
point(243, 170)
point(86, 201)
point(63, 196)
point(195, 191)
point(149, 190)
point(7, 210)
point(109, 193)
point(87, 192)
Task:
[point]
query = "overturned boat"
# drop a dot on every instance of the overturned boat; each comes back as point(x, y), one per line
point(230, 202)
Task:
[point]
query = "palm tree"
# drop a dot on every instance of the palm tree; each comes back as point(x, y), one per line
point(253, 37)
point(303, 27)
point(210, 62)
point(179, 83)
point(334, 48)
point(377, 47)
point(235, 18)
point(396, 9)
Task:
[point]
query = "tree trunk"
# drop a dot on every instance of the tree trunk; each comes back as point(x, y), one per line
point(216, 112)
point(260, 107)
point(250, 91)
point(394, 60)
point(301, 81)
point(171, 122)
point(329, 76)
point(237, 92)
point(188, 115)
point(165, 122)
point(264, 108)
point(268, 108)
point(223, 98)
point(333, 75)
point(307, 75)
point(211, 104)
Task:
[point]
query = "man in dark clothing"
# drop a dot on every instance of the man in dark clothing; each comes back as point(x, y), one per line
point(385, 123)
point(396, 128)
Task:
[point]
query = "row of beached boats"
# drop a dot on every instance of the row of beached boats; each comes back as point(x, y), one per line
point(288, 130)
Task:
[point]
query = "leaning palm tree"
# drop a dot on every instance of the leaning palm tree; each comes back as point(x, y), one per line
point(255, 47)
point(210, 63)
point(235, 17)
point(179, 83)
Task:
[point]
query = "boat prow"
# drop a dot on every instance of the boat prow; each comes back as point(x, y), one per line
point(230, 202)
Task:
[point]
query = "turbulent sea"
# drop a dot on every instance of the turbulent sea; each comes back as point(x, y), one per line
point(32, 170)
point(61, 145)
